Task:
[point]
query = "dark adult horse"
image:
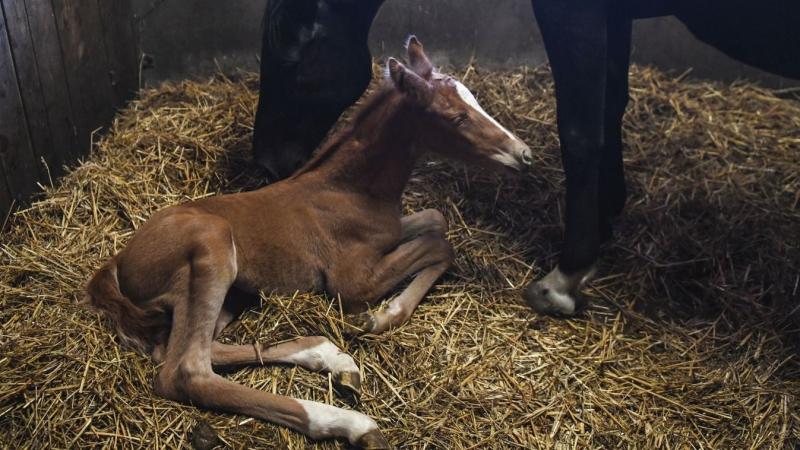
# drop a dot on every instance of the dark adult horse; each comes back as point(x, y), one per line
point(588, 44)
point(314, 64)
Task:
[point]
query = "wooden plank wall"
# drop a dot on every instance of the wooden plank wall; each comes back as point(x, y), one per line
point(66, 66)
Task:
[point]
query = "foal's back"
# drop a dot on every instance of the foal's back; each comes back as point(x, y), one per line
point(272, 226)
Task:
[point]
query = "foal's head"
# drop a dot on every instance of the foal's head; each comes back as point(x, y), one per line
point(454, 124)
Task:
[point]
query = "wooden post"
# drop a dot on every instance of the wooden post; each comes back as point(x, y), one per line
point(87, 67)
point(66, 66)
point(17, 157)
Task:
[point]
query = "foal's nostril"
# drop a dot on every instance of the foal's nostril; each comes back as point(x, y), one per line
point(526, 157)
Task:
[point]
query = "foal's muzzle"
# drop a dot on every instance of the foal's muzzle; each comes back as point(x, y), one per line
point(526, 156)
point(522, 156)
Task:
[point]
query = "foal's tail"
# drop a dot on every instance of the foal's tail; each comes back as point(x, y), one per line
point(137, 327)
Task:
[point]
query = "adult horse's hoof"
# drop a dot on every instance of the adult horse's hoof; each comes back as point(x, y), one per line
point(373, 440)
point(348, 383)
point(557, 294)
point(359, 324)
point(544, 300)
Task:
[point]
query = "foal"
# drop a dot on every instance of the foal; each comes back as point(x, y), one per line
point(334, 227)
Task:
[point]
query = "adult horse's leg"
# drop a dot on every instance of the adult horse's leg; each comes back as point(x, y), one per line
point(612, 175)
point(576, 39)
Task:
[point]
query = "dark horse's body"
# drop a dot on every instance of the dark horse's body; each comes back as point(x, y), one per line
point(588, 44)
point(315, 63)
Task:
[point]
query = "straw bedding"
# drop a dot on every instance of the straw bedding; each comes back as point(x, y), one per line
point(690, 340)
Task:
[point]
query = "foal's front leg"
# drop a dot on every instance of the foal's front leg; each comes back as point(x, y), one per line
point(427, 221)
point(400, 308)
point(423, 251)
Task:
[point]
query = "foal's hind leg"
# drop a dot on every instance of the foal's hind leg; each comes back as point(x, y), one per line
point(187, 376)
point(315, 353)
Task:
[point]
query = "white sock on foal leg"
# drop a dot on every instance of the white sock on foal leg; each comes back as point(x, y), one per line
point(323, 356)
point(325, 421)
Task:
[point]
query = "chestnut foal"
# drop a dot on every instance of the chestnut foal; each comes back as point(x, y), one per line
point(334, 227)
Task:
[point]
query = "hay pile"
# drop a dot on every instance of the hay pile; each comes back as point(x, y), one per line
point(691, 341)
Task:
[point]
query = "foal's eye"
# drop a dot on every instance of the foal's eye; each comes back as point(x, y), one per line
point(460, 119)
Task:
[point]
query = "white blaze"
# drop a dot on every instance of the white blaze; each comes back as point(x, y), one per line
point(470, 99)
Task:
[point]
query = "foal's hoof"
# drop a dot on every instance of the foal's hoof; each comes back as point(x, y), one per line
point(359, 324)
point(544, 299)
point(373, 440)
point(349, 383)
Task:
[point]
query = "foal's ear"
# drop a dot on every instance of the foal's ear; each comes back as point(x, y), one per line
point(419, 61)
point(414, 87)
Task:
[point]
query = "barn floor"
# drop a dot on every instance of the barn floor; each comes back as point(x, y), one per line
point(690, 341)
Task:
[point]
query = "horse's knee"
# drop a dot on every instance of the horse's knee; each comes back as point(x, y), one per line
point(183, 382)
point(437, 221)
point(428, 221)
point(166, 385)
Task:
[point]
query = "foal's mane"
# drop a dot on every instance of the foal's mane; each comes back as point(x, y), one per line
point(332, 143)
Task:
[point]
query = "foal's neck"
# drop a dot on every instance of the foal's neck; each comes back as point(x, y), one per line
point(374, 155)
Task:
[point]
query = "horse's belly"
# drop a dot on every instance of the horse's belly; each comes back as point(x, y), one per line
point(764, 34)
point(274, 269)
